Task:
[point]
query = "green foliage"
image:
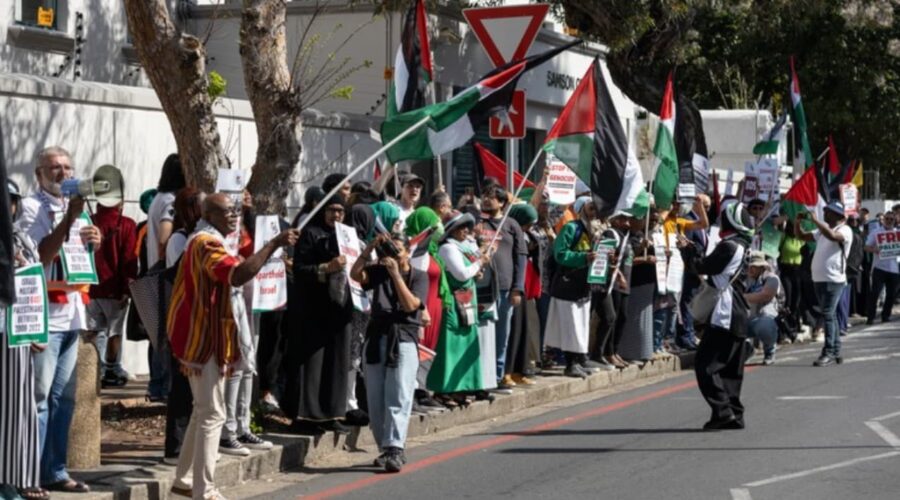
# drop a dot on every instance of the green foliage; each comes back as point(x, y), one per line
point(217, 85)
point(345, 92)
point(735, 53)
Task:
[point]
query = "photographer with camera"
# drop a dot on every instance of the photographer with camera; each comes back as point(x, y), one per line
point(391, 352)
point(47, 217)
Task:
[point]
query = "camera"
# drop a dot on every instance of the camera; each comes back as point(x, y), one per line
point(386, 248)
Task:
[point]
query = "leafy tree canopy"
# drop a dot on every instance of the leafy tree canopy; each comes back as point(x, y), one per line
point(734, 54)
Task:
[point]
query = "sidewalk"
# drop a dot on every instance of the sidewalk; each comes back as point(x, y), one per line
point(131, 454)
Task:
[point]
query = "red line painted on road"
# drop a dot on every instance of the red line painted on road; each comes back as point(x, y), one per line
point(496, 441)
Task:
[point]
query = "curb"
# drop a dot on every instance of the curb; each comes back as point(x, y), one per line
point(118, 482)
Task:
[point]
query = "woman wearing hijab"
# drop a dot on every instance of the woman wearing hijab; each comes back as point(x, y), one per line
point(318, 354)
point(636, 345)
point(570, 303)
point(457, 364)
point(387, 215)
point(719, 364)
point(439, 296)
point(525, 330)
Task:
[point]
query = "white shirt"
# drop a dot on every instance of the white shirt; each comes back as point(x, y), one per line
point(175, 247)
point(37, 221)
point(829, 264)
point(161, 209)
point(455, 261)
point(888, 265)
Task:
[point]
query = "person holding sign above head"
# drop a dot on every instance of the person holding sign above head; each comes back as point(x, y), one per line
point(54, 221)
point(202, 328)
point(884, 243)
point(19, 445)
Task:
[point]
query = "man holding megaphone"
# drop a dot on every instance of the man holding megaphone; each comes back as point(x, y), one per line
point(47, 217)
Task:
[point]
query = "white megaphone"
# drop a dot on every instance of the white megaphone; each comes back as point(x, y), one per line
point(106, 186)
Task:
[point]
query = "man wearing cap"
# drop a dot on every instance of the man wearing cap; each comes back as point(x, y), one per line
point(829, 272)
point(410, 194)
point(885, 273)
point(762, 291)
point(47, 217)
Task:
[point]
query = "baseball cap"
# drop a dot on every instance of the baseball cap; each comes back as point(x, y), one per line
point(836, 207)
point(411, 177)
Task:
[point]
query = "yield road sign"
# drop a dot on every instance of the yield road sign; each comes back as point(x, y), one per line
point(506, 33)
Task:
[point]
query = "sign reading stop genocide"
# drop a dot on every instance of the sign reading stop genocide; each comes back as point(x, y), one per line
point(888, 243)
point(506, 33)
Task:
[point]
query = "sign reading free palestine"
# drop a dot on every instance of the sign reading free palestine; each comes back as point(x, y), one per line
point(888, 244)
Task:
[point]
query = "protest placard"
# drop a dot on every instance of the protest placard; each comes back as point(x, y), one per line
point(599, 272)
point(675, 271)
point(560, 185)
point(349, 247)
point(888, 243)
point(850, 199)
point(27, 319)
point(270, 283)
point(659, 250)
point(77, 257)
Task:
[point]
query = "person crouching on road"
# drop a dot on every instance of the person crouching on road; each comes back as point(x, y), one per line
point(569, 317)
point(391, 351)
point(763, 293)
point(719, 364)
point(201, 327)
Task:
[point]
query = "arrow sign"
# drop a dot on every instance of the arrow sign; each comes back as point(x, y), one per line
point(506, 33)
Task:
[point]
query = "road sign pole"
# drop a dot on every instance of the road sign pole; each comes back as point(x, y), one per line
point(512, 163)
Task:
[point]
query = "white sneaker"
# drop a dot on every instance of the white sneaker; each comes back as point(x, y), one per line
point(170, 460)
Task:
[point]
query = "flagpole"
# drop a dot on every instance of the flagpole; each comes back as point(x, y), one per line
point(516, 195)
point(416, 126)
point(440, 166)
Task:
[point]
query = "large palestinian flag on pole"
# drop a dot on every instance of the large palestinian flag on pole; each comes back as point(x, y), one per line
point(665, 182)
point(772, 140)
point(453, 123)
point(588, 137)
point(487, 164)
point(413, 70)
point(804, 195)
point(807, 159)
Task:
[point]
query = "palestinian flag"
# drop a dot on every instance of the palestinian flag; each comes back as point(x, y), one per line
point(804, 195)
point(488, 165)
point(772, 140)
point(376, 171)
point(413, 70)
point(588, 137)
point(666, 180)
point(418, 249)
point(833, 164)
point(453, 123)
point(807, 159)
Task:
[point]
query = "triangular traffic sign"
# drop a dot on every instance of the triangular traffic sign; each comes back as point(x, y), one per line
point(506, 33)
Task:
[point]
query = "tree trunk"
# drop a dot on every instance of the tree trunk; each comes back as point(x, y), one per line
point(175, 63)
point(274, 101)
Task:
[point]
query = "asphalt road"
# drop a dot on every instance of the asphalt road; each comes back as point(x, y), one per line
point(812, 433)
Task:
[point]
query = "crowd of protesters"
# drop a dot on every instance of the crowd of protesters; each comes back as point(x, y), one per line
point(485, 294)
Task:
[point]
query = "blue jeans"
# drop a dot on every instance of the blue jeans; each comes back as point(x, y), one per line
point(765, 329)
point(390, 395)
point(504, 320)
point(160, 364)
point(663, 326)
point(54, 393)
point(829, 294)
point(843, 310)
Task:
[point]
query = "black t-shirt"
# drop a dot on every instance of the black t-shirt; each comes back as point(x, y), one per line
point(386, 308)
point(509, 259)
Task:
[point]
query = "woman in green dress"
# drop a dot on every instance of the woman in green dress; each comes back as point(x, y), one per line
point(457, 366)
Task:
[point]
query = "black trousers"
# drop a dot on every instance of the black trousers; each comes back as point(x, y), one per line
point(790, 281)
point(882, 279)
point(269, 351)
point(178, 409)
point(719, 366)
point(603, 305)
point(620, 302)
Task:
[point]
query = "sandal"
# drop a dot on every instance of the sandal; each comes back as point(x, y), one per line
point(34, 493)
point(69, 486)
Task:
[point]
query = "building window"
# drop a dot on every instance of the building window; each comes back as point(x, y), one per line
point(38, 13)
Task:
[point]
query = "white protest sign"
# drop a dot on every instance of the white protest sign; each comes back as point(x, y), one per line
point(26, 320)
point(78, 258)
point(230, 180)
point(560, 182)
point(760, 179)
point(659, 250)
point(270, 283)
point(701, 172)
point(349, 247)
point(850, 199)
point(888, 243)
point(675, 272)
point(600, 265)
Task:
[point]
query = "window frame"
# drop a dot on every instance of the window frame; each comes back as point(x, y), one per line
point(20, 21)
